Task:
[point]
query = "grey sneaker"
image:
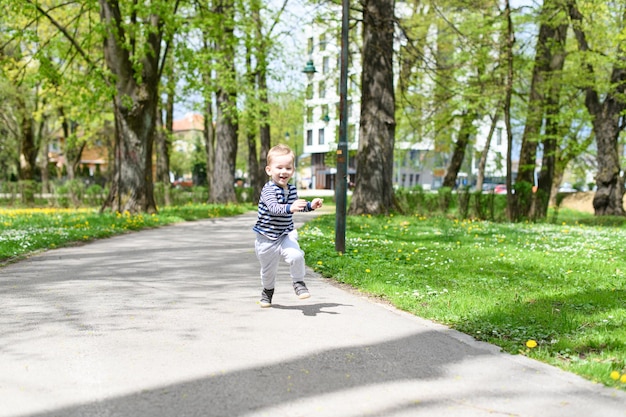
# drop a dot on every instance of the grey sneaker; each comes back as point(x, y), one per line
point(301, 291)
point(266, 297)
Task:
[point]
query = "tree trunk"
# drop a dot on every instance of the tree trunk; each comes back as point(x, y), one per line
point(28, 145)
point(508, 57)
point(553, 49)
point(460, 147)
point(209, 142)
point(72, 151)
point(135, 110)
point(482, 163)
point(608, 200)
point(607, 114)
point(264, 129)
point(373, 193)
point(163, 157)
point(548, 59)
point(223, 190)
point(163, 134)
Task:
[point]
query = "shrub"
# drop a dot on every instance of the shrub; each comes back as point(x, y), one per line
point(94, 195)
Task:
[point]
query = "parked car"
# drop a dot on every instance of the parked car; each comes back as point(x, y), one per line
point(488, 187)
point(182, 183)
point(499, 189)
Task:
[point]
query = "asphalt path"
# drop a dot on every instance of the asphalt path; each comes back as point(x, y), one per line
point(166, 322)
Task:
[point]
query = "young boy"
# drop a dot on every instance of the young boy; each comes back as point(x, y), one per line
point(276, 235)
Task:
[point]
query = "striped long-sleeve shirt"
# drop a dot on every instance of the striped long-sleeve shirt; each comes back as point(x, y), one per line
point(275, 218)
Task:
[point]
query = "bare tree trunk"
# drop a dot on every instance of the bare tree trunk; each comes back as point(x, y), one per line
point(373, 193)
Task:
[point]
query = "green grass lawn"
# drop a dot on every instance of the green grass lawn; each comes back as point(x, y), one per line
point(24, 231)
point(554, 292)
point(561, 287)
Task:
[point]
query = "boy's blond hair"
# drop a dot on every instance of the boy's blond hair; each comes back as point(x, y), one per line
point(279, 150)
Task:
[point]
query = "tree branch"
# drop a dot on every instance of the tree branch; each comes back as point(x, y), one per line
point(67, 35)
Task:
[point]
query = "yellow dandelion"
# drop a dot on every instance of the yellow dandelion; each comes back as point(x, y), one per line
point(615, 375)
point(623, 379)
point(368, 270)
point(531, 344)
point(320, 262)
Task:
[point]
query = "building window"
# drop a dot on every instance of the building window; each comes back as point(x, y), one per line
point(310, 45)
point(499, 137)
point(325, 115)
point(351, 134)
point(323, 42)
point(309, 114)
point(325, 65)
point(321, 136)
point(309, 137)
point(322, 89)
point(309, 91)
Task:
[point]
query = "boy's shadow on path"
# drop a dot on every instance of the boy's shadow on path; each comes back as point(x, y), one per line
point(312, 309)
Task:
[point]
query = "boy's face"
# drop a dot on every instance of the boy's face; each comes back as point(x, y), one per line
point(280, 169)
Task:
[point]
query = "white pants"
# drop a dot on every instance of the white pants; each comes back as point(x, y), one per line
point(269, 253)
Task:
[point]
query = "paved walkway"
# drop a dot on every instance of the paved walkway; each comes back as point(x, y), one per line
point(165, 323)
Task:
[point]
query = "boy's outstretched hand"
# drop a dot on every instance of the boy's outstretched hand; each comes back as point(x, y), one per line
point(316, 203)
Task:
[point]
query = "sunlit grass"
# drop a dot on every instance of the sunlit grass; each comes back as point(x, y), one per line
point(563, 286)
point(23, 231)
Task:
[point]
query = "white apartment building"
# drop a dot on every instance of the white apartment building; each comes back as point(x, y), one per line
point(416, 161)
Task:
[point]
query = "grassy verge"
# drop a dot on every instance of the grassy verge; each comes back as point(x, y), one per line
point(556, 293)
point(23, 231)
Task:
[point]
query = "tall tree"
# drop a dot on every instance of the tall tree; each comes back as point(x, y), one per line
point(544, 90)
point(135, 40)
point(507, 59)
point(227, 123)
point(135, 57)
point(373, 193)
point(607, 108)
